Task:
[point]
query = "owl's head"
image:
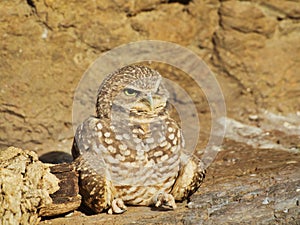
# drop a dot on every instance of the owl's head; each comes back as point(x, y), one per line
point(136, 91)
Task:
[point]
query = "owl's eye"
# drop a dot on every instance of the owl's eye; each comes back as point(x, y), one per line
point(130, 92)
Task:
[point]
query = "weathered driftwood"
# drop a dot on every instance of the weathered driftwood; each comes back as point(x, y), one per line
point(67, 198)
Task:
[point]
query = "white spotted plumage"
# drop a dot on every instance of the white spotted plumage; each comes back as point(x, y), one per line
point(131, 151)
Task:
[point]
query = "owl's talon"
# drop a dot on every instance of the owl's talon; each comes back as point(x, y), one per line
point(117, 207)
point(164, 199)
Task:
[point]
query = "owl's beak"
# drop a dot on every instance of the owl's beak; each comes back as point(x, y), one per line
point(150, 100)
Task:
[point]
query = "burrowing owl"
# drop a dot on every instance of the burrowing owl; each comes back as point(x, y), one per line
point(132, 151)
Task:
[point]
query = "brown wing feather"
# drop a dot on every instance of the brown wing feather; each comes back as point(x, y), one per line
point(189, 179)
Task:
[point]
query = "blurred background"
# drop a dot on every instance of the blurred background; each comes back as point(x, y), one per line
point(252, 47)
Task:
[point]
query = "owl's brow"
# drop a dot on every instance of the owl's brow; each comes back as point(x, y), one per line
point(131, 87)
point(135, 86)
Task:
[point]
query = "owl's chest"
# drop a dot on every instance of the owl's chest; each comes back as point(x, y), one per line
point(135, 156)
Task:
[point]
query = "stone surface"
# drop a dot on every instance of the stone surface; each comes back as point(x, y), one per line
point(25, 186)
point(253, 48)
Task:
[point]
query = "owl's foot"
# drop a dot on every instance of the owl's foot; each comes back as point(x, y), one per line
point(164, 199)
point(117, 207)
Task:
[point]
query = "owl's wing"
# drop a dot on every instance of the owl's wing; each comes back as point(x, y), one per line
point(95, 187)
point(190, 176)
point(189, 179)
point(87, 146)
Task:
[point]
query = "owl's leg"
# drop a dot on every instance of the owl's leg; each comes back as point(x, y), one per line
point(163, 199)
point(189, 179)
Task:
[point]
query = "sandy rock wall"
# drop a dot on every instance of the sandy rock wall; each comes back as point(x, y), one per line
point(252, 46)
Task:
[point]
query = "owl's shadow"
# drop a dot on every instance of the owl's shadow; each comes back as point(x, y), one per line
point(161, 209)
point(56, 157)
point(87, 211)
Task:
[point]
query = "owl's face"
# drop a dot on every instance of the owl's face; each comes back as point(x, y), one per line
point(134, 92)
point(144, 99)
